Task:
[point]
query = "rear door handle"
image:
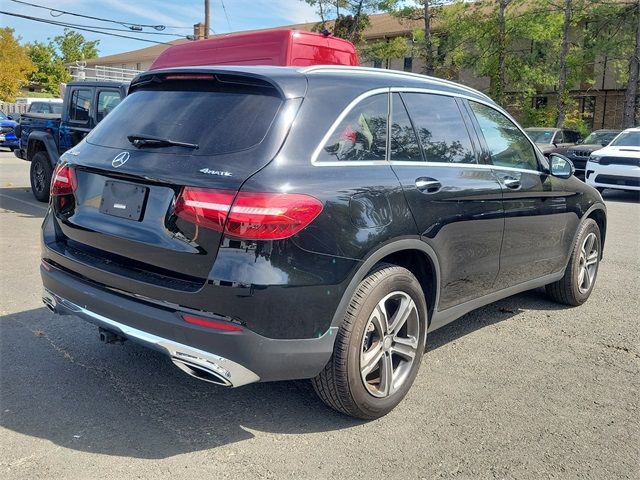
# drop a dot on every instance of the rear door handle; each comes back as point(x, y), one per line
point(428, 185)
point(512, 183)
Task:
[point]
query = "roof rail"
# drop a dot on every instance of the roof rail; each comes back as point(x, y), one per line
point(343, 68)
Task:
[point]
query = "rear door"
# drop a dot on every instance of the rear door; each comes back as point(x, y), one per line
point(538, 226)
point(456, 202)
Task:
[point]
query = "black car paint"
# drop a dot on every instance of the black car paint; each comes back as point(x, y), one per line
point(479, 238)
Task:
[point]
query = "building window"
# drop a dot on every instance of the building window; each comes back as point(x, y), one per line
point(377, 64)
point(588, 109)
point(540, 102)
point(408, 64)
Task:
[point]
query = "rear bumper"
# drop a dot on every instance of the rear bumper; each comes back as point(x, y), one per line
point(236, 358)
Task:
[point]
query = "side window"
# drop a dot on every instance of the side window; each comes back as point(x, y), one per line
point(507, 144)
point(80, 106)
point(107, 101)
point(362, 134)
point(440, 128)
point(559, 138)
point(404, 146)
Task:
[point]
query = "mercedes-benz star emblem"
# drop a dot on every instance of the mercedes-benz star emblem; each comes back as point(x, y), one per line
point(120, 159)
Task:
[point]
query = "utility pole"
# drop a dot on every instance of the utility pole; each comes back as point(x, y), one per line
point(207, 24)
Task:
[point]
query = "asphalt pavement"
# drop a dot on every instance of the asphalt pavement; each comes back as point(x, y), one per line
point(523, 388)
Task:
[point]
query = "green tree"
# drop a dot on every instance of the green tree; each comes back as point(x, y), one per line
point(425, 11)
point(344, 18)
point(72, 46)
point(51, 70)
point(383, 50)
point(15, 65)
point(52, 58)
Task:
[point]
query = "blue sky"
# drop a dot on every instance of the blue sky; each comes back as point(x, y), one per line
point(243, 15)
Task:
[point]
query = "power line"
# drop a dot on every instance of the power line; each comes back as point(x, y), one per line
point(64, 24)
point(59, 12)
point(77, 25)
point(225, 14)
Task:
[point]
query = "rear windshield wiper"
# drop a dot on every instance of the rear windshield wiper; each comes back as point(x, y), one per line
point(153, 141)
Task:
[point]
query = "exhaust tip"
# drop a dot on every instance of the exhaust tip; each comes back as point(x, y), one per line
point(201, 373)
point(49, 301)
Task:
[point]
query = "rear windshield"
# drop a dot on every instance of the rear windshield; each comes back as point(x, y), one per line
point(540, 136)
point(218, 117)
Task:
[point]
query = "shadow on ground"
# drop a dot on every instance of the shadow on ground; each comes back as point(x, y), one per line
point(60, 384)
point(21, 201)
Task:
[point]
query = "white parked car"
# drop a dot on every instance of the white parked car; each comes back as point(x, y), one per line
point(618, 164)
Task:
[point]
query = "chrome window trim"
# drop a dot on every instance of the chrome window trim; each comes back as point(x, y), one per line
point(334, 125)
point(482, 166)
point(390, 90)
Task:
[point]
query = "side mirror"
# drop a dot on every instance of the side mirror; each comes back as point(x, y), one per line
point(561, 166)
point(579, 141)
point(9, 117)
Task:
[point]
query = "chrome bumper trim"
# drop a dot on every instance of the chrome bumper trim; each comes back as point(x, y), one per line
point(235, 374)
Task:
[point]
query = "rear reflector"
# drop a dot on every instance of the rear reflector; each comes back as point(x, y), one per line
point(252, 216)
point(205, 322)
point(63, 181)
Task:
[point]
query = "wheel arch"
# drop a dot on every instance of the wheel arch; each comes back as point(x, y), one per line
point(42, 142)
point(599, 214)
point(411, 253)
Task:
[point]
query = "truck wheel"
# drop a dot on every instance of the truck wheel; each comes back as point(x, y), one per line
point(40, 173)
point(378, 348)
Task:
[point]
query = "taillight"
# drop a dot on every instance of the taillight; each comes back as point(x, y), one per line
point(252, 216)
point(63, 181)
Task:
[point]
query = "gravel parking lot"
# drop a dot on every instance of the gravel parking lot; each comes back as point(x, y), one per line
point(523, 388)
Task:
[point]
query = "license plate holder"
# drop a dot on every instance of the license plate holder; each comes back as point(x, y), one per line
point(124, 200)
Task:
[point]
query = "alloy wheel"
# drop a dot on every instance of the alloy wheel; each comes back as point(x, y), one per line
point(389, 344)
point(588, 263)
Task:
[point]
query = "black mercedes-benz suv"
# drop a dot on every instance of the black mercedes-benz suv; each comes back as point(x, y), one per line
point(274, 223)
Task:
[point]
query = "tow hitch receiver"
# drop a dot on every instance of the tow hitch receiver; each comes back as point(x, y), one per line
point(109, 337)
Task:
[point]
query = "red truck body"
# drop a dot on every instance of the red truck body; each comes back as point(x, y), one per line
point(271, 47)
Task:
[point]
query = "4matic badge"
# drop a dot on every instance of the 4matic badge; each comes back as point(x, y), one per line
point(220, 173)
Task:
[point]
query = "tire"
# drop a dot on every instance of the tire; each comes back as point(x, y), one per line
point(342, 385)
point(582, 270)
point(40, 176)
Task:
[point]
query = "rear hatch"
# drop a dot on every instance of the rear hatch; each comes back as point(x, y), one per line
point(121, 218)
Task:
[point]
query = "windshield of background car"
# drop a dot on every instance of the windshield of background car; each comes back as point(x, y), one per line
point(540, 136)
point(57, 108)
point(599, 138)
point(220, 117)
point(627, 139)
